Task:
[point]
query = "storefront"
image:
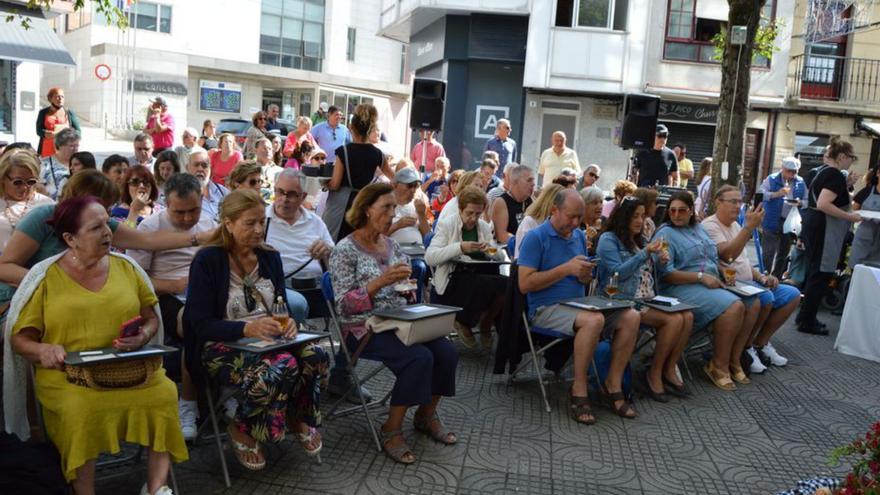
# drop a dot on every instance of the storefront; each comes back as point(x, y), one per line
point(692, 124)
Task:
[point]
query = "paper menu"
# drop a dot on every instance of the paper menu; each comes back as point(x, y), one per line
point(419, 309)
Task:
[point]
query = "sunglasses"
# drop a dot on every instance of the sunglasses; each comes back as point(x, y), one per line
point(23, 182)
point(289, 195)
point(593, 175)
point(679, 210)
point(138, 182)
point(253, 182)
point(412, 185)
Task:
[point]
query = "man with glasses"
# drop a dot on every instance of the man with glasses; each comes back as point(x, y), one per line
point(502, 144)
point(591, 175)
point(557, 158)
point(657, 166)
point(331, 134)
point(778, 302)
point(143, 151)
point(169, 272)
point(212, 193)
point(55, 169)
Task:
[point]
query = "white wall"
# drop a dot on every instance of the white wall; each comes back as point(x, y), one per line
point(375, 58)
point(27, 78)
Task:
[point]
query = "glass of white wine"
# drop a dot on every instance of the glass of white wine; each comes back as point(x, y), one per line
point(280, 313)
point(611, 288)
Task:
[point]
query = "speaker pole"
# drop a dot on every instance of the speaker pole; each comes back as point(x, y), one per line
point(424, 154)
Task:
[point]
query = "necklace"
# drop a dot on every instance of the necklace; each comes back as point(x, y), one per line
point(13, 217)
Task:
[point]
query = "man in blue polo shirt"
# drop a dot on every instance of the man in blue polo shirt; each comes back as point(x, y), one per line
point(553, 267)
point(331, 134)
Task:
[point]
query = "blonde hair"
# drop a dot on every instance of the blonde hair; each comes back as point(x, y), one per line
point(455, 176)
point(234, 205)
point(241, 172)
point(541, 208)
point(19, 157)
point(623, 188)
point(468, 179)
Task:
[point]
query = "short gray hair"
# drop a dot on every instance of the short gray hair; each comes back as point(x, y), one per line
point(302, 119)
point(66, 136)
point(592, 194)
point(291, 173)
point(142, 138)
point(503, 122)
point(191, 131)
point(182, 185)
point(517, 171)
point(595, 167)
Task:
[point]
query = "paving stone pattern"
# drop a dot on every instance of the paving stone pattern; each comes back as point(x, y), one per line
point(760, 439)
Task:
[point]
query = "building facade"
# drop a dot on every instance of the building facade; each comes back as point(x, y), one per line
point(233, 58)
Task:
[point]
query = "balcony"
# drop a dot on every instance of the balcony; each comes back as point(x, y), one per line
point(400, 18)
point(825, 81)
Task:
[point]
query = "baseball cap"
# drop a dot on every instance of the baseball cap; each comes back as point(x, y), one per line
point(406, 176)
point(661, 130)
point(160, 100)
point(324, 106)
point(791, 163)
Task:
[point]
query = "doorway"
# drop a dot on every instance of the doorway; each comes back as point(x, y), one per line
point(558, 116)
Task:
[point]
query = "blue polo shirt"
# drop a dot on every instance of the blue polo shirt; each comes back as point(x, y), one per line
point(544, 249)
point(506, 152)
point(330, 138)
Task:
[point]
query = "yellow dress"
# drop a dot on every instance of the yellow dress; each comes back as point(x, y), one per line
point(83, 422)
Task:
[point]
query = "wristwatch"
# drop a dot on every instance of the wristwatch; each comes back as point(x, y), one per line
point(699, 276)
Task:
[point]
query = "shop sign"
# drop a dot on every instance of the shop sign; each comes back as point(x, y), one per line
point(486, 118)
point(688, 112)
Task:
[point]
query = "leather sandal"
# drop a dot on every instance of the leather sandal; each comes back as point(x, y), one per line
point(580, 406)
point(398, 453)
point(645, 385)
point(719, 378)
point(624, 409)
point(438, 432)
point(679, 391)
point(241, 451)
point(305, 439)
point(739, 376)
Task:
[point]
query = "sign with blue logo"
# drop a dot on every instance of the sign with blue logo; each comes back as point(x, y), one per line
point(217, 96)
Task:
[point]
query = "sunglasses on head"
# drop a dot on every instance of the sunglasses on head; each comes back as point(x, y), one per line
point(23, 182)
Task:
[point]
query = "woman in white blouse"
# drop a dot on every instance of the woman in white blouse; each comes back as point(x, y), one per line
point(20, 169)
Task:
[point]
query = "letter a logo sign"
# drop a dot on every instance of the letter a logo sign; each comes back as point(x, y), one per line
point(486, 118)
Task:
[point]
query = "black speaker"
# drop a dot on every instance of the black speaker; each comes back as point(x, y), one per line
point(428, 100)
point(639, 121)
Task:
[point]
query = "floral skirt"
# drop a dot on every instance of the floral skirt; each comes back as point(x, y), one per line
point(275, 386)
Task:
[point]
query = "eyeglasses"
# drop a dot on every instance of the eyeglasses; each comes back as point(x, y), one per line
point(593, 175)
point(261, 118)
point(202, 163)
point(412, 185)
point(138, 182)
point(628, 199)
point(288, 195)
point(23, 182)
point(676, 211)
point(733, 201)
point(253, 182)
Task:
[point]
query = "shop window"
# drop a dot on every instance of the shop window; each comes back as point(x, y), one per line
point(150, 17)
point(691, 25)
point(352, 37)
point(603, 14)
point(292, 33)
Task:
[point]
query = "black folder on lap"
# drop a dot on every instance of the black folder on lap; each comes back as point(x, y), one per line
point(595, 303)
point(415, 312)
point(111, 355)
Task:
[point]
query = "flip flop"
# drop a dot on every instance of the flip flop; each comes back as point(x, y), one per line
point(305, 439)
point(241, 450)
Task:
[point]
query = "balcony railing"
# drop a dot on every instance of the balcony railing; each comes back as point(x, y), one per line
point(835, 79)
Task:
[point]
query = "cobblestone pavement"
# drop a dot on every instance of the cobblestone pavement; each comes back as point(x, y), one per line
point(760, 439)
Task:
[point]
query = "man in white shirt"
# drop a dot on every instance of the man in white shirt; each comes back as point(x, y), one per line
point(268, 169)
point(556, 158)
point(143, 151)
point(212, 193)
point(169, 273)
point(410, 222)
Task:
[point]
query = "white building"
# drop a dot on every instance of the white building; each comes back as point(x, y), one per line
point(230, 58)
point(575, 66)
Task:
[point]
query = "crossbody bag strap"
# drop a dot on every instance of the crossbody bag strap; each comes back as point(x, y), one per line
point(347, 168)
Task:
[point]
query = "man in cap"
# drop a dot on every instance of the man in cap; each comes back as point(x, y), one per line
point(160, 125)
point(410, 223)
point(657, 166)
point(321, 114)
point(782, 190)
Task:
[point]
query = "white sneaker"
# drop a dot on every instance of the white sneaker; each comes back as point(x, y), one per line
point(757, 366)
point(163, 490)
point(188, 411)
point(229, 408)
point(775, 359)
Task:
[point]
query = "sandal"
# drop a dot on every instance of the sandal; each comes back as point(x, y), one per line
point(679, 391)
point(624, 409)
point(438, 432)
point(645, 385)
point(720, 379)
point(580, 407)
point(241, 451)
point(398, 453)
point(305, 439)
point(739, 376)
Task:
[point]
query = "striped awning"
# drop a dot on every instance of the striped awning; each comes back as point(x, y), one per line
point(38, 43)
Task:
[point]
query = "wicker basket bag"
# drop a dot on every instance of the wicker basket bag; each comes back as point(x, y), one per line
point(135, 373)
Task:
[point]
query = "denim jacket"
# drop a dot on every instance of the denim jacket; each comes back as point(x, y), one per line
point(615, 257)
point(773, 206)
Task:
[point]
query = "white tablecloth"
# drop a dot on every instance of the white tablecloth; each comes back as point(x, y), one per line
point(860, 327)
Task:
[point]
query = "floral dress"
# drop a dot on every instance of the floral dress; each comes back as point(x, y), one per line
point(275, 386)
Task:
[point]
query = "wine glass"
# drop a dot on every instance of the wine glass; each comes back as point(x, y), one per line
point(611, 288)
point(280, 313)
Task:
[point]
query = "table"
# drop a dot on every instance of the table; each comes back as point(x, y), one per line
point(859, 333)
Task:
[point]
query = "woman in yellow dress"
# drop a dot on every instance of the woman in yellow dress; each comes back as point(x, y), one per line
point(85, 295)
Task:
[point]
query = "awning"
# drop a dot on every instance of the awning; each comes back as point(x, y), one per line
point(713, 9)
point(37, 44)
point(870, 127)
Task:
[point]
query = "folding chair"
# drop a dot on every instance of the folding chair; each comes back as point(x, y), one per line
point(212, 415)
point(556, 338)
point(336, 333)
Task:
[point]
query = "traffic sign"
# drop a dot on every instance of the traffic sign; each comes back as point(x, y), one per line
point(102, 72)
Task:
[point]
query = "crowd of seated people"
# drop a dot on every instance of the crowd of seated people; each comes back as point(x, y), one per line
point(214, 244)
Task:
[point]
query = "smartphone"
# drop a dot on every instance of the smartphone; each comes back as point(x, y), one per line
point(758, 199)
point(131, 327)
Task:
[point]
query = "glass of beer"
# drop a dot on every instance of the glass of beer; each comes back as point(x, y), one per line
point(611, 288)
point(491, 249)
point(730, 275)
point(664, 245)
point(280, 313)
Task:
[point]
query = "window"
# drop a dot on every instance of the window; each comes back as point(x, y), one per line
point(7, 93)
point(150, 17)
point(80, 18)
point(292, 33)
point(691, 25)
point(349, 52)
point(603, 14)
